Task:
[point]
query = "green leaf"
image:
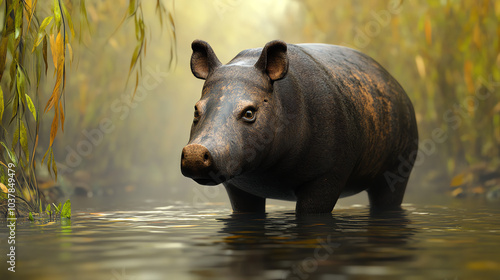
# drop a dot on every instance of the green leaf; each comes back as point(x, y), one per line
point(11, 154)
point(24, 141)
point(1, 105)
point(59, 207)
point(48, 209)
point(57, 14)
point(68, 17)
point(20, 79)
point(15, 139)
point(131, 7)
point(44, 24)
point(31, 107)
point(66, 210)
point(18, 22)
point(84, 21)
point(41, 32)
point(15, 107)
point(30, 217)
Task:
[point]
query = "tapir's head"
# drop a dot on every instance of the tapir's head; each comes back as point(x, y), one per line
point(236, 119)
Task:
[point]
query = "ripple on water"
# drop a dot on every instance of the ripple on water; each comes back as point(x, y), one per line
point(421, 242)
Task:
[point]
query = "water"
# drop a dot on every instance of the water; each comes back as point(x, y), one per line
point(173, 240)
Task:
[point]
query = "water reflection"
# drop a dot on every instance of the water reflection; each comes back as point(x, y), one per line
point(177, 241)
point(302, 246)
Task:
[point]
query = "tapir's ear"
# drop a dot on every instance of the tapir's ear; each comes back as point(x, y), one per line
point(203, 60)
point(273, 60)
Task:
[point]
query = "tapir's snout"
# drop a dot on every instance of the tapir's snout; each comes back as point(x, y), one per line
point(197, 163)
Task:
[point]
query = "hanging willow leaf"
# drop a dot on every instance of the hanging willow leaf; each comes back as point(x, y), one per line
point(15, 138)
point(44, 53)
point(53, 49)
point(83, 13)
point(30, 8)
point(24, 140)
point(57, 48)
point(57, 13)
point(132, 7)
point(20, 82)
point(68, 17)
point(54, 127)
point(1, 105)
point(15, 107)
point(31, 106)
point(10, 153)
point(54, 167)
point(46, 21)
point(41, 32)
point(3, 54)
point(18, 22)
point(70, 51)
point(61, 111)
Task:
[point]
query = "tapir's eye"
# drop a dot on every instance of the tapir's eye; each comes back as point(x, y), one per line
point(196, 115)
point(249, 115)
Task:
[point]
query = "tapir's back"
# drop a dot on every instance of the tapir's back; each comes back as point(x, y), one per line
point(374, 103)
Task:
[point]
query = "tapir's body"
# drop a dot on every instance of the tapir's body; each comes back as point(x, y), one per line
point(308, 122)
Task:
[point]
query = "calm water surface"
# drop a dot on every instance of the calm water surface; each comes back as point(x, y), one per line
point(173, 240)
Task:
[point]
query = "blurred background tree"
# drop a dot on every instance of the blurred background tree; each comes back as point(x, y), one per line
point(121, 139)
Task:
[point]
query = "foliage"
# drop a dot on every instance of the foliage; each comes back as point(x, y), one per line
point(52, 212)
point(30, 36)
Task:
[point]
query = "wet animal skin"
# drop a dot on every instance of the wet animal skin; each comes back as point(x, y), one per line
point(307, 122)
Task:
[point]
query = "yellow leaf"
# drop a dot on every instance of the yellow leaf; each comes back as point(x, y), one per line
point(457, 180)
point(31, 107)
point(3, 188)
point(428, 30)
point(53, 49)
point(54, 127)
point(61, 111)
point(59, 48)
point(70, 51)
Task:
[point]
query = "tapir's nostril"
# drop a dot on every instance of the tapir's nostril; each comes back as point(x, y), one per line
point(196, 161)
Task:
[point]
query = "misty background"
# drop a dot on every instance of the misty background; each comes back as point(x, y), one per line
point(445, 54)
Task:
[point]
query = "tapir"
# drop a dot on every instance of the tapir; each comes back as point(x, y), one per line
point(309, 123)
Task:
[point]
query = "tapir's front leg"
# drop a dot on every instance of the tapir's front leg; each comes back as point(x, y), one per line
point(242, 201)
point(319, 195)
